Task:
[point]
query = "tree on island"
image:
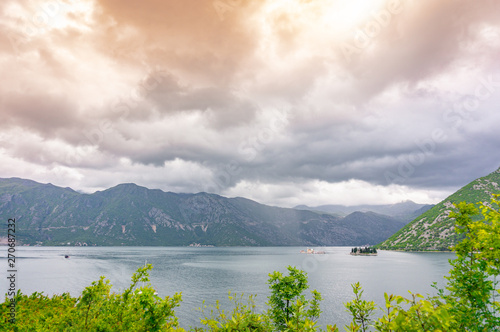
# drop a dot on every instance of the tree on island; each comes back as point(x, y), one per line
point(365, 250)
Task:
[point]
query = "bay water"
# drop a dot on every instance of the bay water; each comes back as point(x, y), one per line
point(207, 274)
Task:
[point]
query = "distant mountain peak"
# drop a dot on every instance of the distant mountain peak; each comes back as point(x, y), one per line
point(126, 187)
point(404, 210)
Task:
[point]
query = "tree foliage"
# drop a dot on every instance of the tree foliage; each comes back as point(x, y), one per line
point(471, 287)
point(289, 310)
point(243, 317)
point(468, 302)
point(360, 310)
point(97, 309)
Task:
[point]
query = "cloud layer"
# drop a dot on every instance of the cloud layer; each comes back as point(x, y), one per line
point(309, 102)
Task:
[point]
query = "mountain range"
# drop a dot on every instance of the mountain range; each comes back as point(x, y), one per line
point(128, 214)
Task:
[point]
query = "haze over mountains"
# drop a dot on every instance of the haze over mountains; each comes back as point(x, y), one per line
point(406, 211)
point(128, 214)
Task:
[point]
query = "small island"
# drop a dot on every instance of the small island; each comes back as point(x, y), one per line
point(366, 251)
point(312, 251)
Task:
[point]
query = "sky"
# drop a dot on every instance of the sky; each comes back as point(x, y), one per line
point(286, 102)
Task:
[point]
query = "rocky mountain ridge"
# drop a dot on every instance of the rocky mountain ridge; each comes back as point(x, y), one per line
point(128, 214)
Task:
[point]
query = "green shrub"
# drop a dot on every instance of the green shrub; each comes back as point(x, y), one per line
point(243, 317)
point(97, 309)
point(289, 310)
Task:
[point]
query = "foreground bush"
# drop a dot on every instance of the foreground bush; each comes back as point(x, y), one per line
point(97, 309)
point(243, 317)
point(468, 302)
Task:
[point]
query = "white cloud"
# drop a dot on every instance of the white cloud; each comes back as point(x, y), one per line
point(314, 192)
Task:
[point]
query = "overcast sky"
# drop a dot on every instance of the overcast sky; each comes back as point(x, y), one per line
point(285, 102)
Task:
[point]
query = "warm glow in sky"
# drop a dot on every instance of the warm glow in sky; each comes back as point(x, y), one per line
point(286, 102)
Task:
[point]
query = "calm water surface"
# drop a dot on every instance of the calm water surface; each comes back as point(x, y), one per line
point(209, 273)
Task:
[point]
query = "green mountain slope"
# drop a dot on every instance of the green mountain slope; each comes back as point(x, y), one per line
point(132, 215)
point(434, 230)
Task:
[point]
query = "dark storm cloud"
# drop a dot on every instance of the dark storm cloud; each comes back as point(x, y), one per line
point(169, 97)
point(41, 112)
point(426, 39)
